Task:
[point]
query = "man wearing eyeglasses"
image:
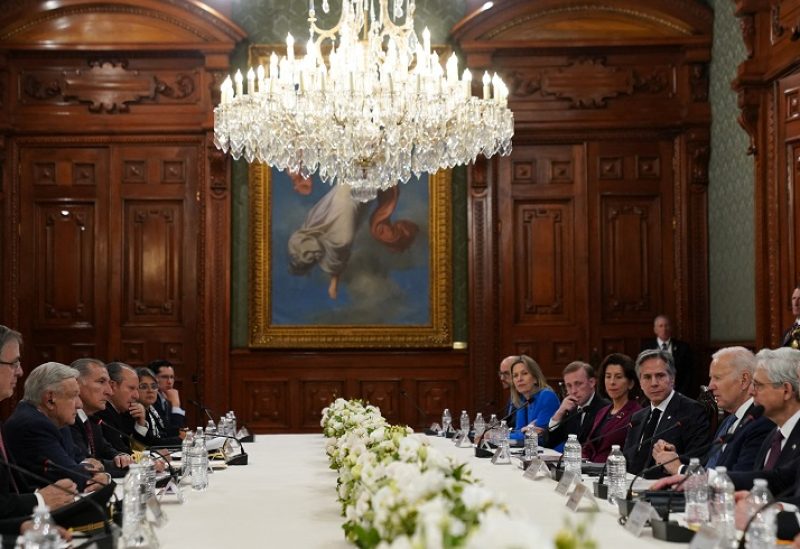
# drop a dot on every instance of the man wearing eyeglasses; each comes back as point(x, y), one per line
point(16, 502)
point(168, 402)
point(504, 373)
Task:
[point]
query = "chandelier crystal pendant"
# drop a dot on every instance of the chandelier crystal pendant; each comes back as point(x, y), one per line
point(380, 110)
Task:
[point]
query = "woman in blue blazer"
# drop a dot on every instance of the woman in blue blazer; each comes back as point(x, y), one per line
point(536, 401)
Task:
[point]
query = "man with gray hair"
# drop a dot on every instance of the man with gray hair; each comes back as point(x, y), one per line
point(123, 413)
point(16, 503)
point(671, 417)
point(739, 435)
point(37, 433)
point(95, 391)
point(776, 387)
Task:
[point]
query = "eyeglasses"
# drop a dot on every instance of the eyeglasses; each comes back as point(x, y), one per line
point(503, 374)
point(757, 385)
point(14, 365)
point(148, 386)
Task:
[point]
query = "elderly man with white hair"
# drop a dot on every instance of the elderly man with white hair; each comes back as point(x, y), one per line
point(741, 434)
point(37, 433)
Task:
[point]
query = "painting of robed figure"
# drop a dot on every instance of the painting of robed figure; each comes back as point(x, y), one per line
point(330, 271)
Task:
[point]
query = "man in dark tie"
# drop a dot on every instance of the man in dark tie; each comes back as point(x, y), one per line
point(95, 391)
point(16, 503)
point(670, 417)
point(744, 430)
point(168, 402)
point(576, 413)
point(681, 354)
point(776, 387)
point(123, 413)
point(792, 336)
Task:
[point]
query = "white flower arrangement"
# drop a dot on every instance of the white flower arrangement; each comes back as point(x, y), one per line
point(398, 492)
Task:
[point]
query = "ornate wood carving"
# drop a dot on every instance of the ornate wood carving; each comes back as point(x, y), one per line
point(317, 395)
point(748, 26)
point(545, 261)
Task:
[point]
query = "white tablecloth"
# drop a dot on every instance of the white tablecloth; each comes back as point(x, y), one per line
point(286, 497)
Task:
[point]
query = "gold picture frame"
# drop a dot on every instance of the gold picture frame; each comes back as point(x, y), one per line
point(264, 333)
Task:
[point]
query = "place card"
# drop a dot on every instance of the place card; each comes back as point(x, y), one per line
point(706, 538)
point(563, 486)
point(580, 492)
point(638, 517)
point(462, 440)
point(536, 470)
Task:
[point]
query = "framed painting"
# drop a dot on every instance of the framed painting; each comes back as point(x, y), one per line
point(328, 271)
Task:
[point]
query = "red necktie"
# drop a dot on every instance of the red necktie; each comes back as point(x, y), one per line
point(89, 437)
point(774, 451)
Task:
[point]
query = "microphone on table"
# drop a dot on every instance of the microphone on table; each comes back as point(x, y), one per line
point(600, 488)
point(483, 453)
point(47, 482)
point(646, 470)
point(205, 409)
point(240, 459)
point(150, 449)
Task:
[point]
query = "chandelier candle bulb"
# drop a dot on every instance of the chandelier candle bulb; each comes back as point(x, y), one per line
point(238, 78)
point(381, 108)
point(486, 80)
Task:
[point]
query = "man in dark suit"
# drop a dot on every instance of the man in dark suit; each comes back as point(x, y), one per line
point(577, 411)
point(37, 432)
point(168, 403)
point(123, 418)
point(95, 391)
point(16, 504)
point(744, 430)
point(792, 336)
point(670, 417)
point(681, 354)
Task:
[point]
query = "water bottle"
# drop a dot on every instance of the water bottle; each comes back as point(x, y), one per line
point(616, 474)
point(531, 444)
point(186, 445)
point(137, 532)
point(211, 427)
point(198, 467)
point(493, 422)
point(480, 425)
point(722, 505)
point(234, 427)
point(447, 421)
point(464, 422)
point(572, 456)
point(762, 532)
point(43, 534)
point(149, 467)
point(696, 492)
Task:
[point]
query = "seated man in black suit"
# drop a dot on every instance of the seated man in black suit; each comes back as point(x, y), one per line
point(168, 403)
point(792, 336)
point(124, 419)
point(670, 417)
point(681, 354)
point(95, 391)
point(16, 504)
point(576, 413)
point(37, 433)
point(744, 430)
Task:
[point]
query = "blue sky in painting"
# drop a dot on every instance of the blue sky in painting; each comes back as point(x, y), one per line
point(378, 287)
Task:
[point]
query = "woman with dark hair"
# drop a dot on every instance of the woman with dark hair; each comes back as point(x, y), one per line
point(157, 434)
point(620, 385)
point(532, 395)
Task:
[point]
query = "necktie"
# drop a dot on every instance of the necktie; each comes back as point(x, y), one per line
point(774, 451)
point(724, 427)
point(89, 438)
point(5, 457)
point(642, 457)
point(664, 347)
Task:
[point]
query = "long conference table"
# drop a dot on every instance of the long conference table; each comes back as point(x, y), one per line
point(286, 497)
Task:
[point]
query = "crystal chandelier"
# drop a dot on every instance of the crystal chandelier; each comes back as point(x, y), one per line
point(380, 110)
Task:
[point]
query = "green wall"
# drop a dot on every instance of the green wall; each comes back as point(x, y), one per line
point(731, 240)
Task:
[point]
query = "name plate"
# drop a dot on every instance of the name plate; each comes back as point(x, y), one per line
point(536, 470)
point(567, 479)
point(637, 519)
point(706, 538)
point(580, 492)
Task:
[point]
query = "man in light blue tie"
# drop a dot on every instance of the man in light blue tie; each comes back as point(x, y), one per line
point(741, 434)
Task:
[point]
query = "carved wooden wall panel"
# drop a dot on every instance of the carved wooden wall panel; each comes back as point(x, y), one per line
point(384, 394)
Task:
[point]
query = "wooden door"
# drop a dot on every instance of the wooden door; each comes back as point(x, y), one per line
point(109, 235)
point(543, 248)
